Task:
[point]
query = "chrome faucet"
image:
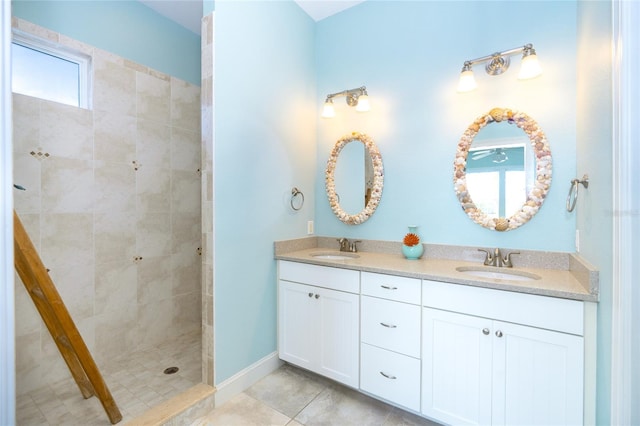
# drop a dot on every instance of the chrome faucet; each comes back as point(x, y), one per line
point(491, 259)
point(497, 259)
point(506, 260)
point(346, 245)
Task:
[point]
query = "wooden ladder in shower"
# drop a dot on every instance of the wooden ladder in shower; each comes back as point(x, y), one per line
point(55, 315)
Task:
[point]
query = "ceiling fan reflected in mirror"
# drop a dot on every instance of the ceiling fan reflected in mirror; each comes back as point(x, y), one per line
point(499, 156)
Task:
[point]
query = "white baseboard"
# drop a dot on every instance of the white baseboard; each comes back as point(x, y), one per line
point(247, 377)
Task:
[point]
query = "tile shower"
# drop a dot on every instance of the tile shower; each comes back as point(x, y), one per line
point(113, 204)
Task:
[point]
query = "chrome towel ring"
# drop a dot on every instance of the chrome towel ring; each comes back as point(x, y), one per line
point(572, 198)
point(295, 192)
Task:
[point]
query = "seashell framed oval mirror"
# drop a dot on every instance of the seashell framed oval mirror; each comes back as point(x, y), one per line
point(502, 176)
point(357, 172)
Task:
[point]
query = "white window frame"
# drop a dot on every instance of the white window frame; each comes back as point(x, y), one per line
point(54, 49)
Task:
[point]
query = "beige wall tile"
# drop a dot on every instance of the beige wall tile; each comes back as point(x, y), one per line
point(28, 368)
point(115, 237)
point(66, 131)
point(153, 98)
point(186, 267)
point(185, 150)
point(186, 232)
point(153, 189)
point(26, 119)
point(27, 173)
point(186, 315)
point(66, 240)
point(154, 323)
point(185, 105)
point(116, 286)
point(74, 282)
point(154, 279)
point(27, 316)
point(67, 185)
point(114, 137)
point(114, 87)
point(185, 192)
point(153, 144)
point(152, 238)
point(115, 334)
point(115, 188)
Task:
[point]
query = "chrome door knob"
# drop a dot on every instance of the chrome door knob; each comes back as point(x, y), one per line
point(499, 333)
point(485, 331)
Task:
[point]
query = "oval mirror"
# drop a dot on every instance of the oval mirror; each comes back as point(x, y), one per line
point(502, 175)
point(357, 170)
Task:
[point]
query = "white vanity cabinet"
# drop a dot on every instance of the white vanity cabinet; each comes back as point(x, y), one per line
point(390, 338)
point(501, 358)
point(318, 319)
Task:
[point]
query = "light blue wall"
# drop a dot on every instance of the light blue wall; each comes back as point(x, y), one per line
point(126, 28)
point(409, 55)
point(265, 126)
point(594, 157)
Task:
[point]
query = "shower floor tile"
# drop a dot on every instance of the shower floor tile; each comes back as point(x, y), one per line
point(137, 383)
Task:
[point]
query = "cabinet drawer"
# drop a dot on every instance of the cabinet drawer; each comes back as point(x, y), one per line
point(391, 325)
point(391, 376)
point(321, 276)
point(401, 289)
point(551, 313)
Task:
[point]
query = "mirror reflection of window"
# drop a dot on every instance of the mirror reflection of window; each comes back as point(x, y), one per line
point(515, 191)
point(485, 189)
point(497, 180)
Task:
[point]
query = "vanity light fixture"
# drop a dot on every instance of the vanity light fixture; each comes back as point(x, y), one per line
point(357, 97)
point(498, 63)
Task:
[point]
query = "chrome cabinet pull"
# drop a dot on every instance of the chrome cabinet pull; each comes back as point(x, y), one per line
point(317, 296)
point(499, 333)
point(388, 325)
point(386, 287)
point(388, 376)
point(310, 294)
point(485, 331)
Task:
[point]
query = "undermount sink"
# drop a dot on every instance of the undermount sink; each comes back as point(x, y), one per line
point(497, 273)
point(334, 255)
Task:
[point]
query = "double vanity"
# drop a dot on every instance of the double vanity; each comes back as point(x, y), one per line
point(444, 336)
point(458, 336)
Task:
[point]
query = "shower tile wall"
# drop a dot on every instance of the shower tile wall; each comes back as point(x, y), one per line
point(207, 71)
point(113, 206)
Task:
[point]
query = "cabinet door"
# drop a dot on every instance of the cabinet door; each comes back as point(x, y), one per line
point(338, 335)
point(456, 369)
point(538, 376)
point(297, 319)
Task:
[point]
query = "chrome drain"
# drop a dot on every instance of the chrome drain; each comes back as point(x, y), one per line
point(171, 370)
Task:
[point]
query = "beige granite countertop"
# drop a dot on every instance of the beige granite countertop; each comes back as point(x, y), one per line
point(573, 281)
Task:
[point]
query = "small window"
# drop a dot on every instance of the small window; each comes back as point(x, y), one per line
point(48, 71)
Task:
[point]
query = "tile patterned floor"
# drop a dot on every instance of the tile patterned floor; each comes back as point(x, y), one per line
point(289, 396)
point(293, 397)
point(136, 382)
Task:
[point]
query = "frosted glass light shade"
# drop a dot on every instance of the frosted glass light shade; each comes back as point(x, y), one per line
point(363, 104)
point(467, 81)
point(530, 67)
point(328, 111)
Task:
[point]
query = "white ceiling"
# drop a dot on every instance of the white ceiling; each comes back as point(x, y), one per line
point(189, 12)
